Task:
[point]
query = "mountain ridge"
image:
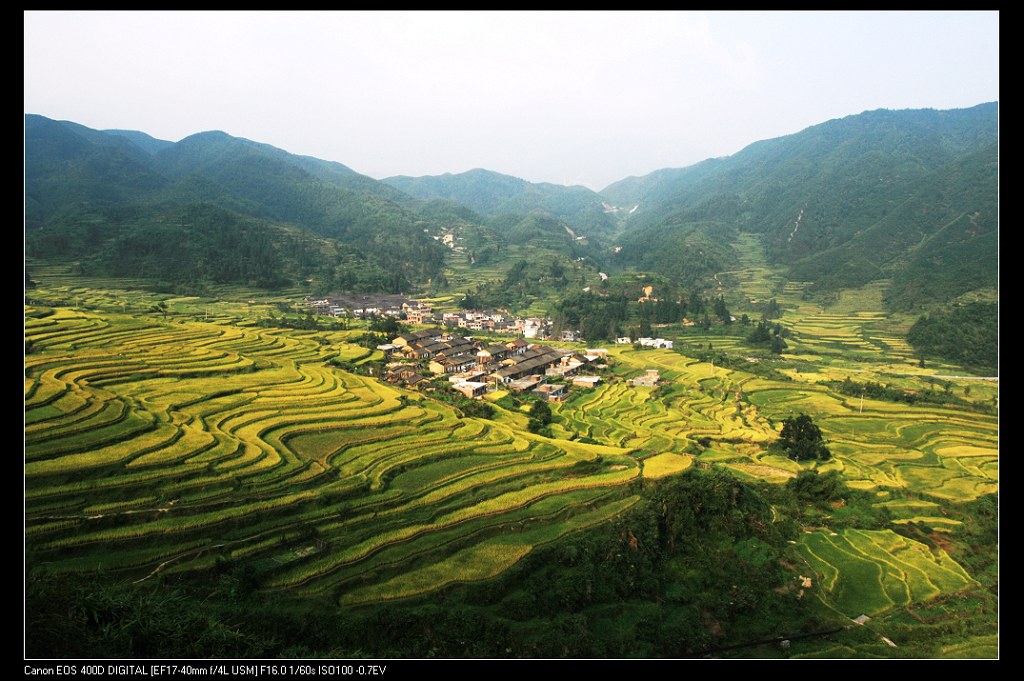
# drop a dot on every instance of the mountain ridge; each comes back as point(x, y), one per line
point(89, 193)
point(822, 199)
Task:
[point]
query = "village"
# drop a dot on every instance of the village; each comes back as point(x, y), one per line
point(413, 311)
point(475, 366)
point(419, 312)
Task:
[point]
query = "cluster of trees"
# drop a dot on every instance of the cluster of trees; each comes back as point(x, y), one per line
point(201, 242)
point(687, 252)
point(528, 279)
point(597, 317)
point(619, 309)
point(891, 393)
point(964, 334)
point(388, 326)
point(812, 487)
point(768, 335)
point(771, 309)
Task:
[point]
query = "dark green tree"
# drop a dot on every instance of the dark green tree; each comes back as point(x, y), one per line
point(389, 326)
point(760, 335)
point(814, 487)
point(778, 345)
point(540, 419)
point(541, 411)
point(721, 311)
point(801, 439)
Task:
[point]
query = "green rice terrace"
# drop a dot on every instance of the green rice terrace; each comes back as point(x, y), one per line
point(182, 442)
point(166, 437)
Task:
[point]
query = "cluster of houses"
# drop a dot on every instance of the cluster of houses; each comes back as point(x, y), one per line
point(474, 367)
point(369, 305)
point(498, 322)
point(418, 312)
point(660, 343)
point(450, 240)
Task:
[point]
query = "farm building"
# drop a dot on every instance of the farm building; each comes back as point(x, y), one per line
point(586, 381)
point(533, 361)
point(523, 385)
point(460, 361)
point(493, 353)
point(420, 316)
point(648, 380)
point(656, 343)
point(407, 339)
point(564, 368)
point(516, 347)
point(401, 373)
point(467, 376)
point(471, 388)
point(552, 393)
point(532, 328)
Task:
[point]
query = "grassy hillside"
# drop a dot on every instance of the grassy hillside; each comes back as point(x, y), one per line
point(98, 198)
point(939, 243)
point(859, 199)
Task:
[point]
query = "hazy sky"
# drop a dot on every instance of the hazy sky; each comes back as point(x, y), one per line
point(567, 97)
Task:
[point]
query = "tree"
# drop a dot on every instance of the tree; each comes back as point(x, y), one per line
point(477, 408)
point(540, 419)
point(814, 487)
point(721, 311)
point(541, 411)
point(760, 335)
point(778, 345)
point(801, 439)
point(645, 323)
point(389, 326)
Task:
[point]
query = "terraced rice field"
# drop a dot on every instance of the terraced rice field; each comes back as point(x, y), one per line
point(936, 450)
point(660, 465)
point(756, 280)
point(706, 404)
point(852, 327)
point(161, 443)
point(868, 572)
point(164, 446)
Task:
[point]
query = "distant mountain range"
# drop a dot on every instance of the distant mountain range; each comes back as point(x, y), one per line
point(493, 194)
point(126, 204)
point(906, 196)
